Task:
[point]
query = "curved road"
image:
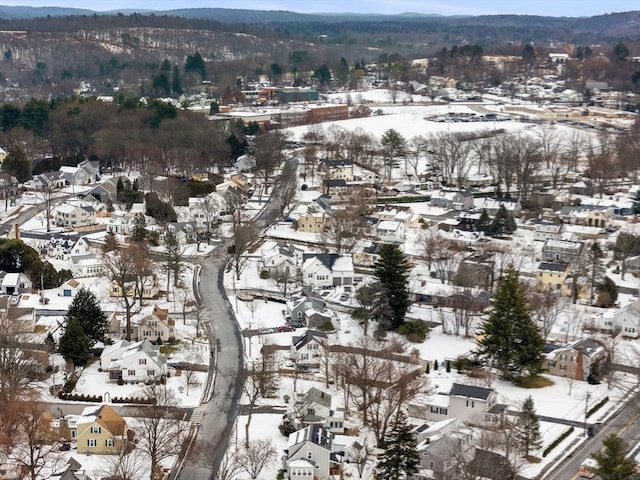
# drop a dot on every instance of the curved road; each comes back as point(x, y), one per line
point(215, 428)
point(223, 407)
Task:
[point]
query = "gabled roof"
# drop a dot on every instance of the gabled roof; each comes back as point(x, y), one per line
point(335, 182)
point(337, 163)
point(318, 396)
point(329, 260)
point(105, 416)
point(552, 267)
point(470, 391)
point(310, 335)
point(314, 434)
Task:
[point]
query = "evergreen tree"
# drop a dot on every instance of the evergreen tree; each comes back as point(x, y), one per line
point(484, 222)
point(139, 230)
point(527, 428)
point(176, 84)
point(74, 344)
point(17, 164)
point(597, 268)
point(392, 271)
point(85, 309)
point(509, 339)
point(400, 459)
point(613, 462)
point(607, 293)
point(503, 223)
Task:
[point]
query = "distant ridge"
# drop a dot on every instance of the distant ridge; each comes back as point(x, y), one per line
point(628, 20)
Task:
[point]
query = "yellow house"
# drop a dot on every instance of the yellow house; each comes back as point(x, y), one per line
point(551, 275)
point(311, 222)
point(101, 430)
point(150, 288)
point(557, 276)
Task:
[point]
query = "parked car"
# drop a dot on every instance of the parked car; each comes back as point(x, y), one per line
point(303, 368)
point(286, 328)
point(586, 469)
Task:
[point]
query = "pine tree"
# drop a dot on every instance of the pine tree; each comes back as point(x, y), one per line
point(484, 222)
point(597, 269)
point(400, 458)
point(527, 429)
point(85, 308)
point(74, 344)
point(392, 271)
point(503, 223)
point(139, 230)
point(613, 463)
point(509, 339)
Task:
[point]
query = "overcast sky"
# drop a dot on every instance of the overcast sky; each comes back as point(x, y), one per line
point(573, 8)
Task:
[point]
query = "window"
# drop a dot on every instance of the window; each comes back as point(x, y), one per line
point(109, 442)
point(142, 361)
point(91, 442)
point(151, 373)
point(131, 373)
point(95, 429)
point(309, 455)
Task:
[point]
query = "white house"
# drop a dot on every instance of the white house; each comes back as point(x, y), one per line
point(11, 283)
point(625, 320)
point(134, 362)
point(544, 230)
point(469, 403)
point(277, 258)
point(85, 173)
point(452, 200)
point(323, 270)
point(85, 260)
point(390, 231)
point(70, 288)
point(310, 455)
point(307, 350)
point(75, 214)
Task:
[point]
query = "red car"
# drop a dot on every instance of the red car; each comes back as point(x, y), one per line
point(286, 328)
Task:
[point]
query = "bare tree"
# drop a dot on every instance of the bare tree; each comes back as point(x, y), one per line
point(46, 196)
point(126, 465)
point(261, 381)
point(36, 446)
point(602, 160)
point(360, 369)
point(230, 466)
point(360, 456)
point(268, 153)
point(118, 262)
point(244, 234)
point(446, 256)
point(453, 155)
point(194, 357)
point(395, 385)
point(283, 277)
point(160, 428)
point(259, 455)
point(546, 305)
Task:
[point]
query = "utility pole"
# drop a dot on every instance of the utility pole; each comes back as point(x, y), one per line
point(586, 411)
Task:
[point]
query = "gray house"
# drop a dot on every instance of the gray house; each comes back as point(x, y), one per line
point(310, 455)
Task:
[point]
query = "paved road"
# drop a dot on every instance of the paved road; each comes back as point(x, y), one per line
point(626, 424)
point(224, 405)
